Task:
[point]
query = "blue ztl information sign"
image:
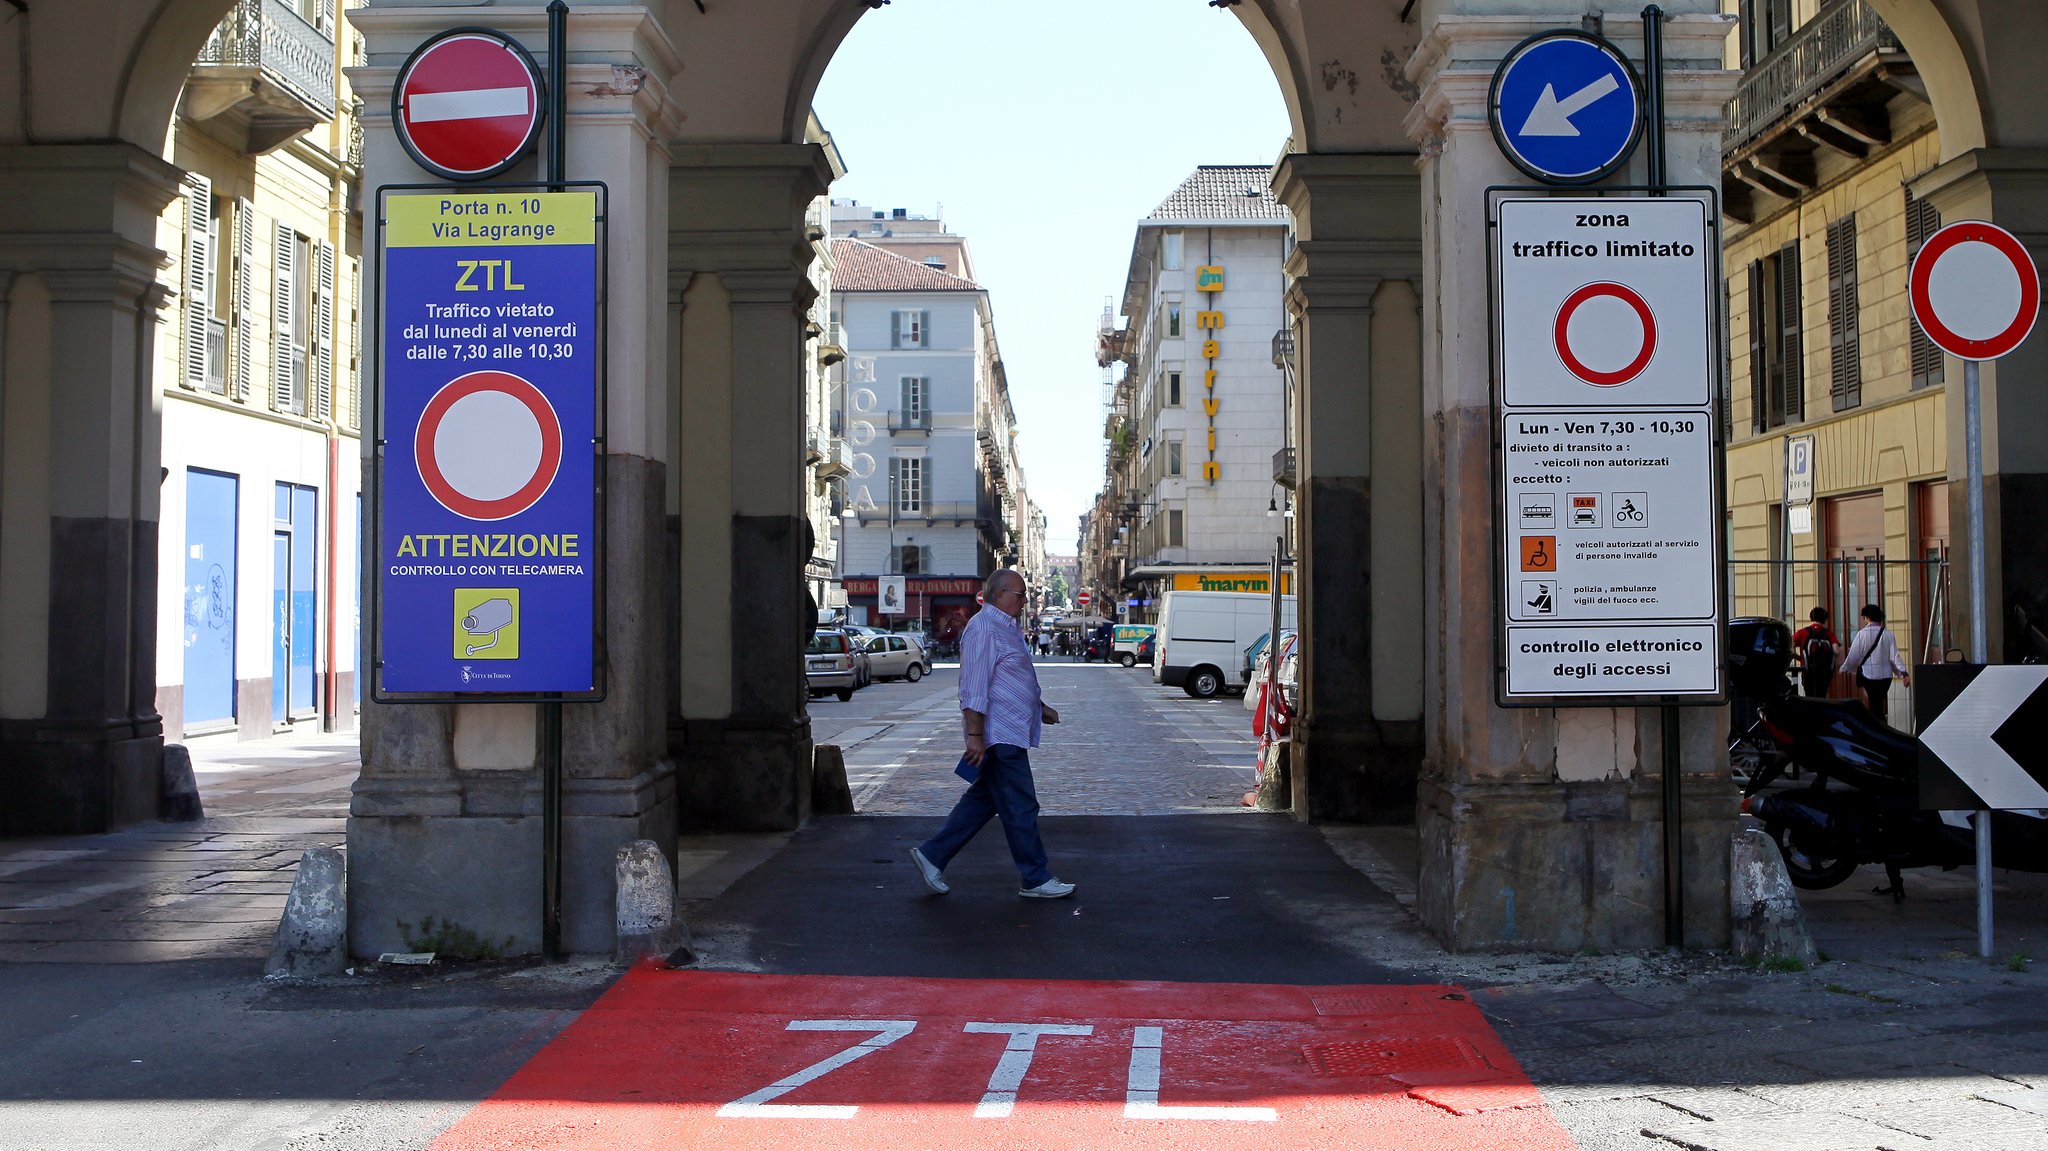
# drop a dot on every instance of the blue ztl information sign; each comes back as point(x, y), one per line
point(488, 525)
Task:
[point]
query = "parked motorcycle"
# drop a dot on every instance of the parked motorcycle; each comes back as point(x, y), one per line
point(1863, 802)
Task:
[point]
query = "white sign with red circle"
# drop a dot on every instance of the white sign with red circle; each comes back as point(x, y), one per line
point(1974, 290)
point(1082, 597)
point(488, 445)
point(1605, 301)
point(1608, 508)
point(1605, 334)
point(468, 104)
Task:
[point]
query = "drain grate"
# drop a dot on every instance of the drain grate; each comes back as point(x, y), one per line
point(1394, 1056)
point(1375, 1003)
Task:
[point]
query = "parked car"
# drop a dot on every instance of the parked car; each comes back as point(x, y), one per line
point(898, 656)
point(859, 637)
point(1146, 649)
point(830, 665)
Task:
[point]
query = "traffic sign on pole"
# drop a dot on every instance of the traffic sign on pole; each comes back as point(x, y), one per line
point(1607, 467)
point(1566, 107)
point(1974, 290)
point(468, 104)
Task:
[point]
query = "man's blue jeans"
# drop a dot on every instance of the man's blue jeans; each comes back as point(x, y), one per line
point(1003, 789)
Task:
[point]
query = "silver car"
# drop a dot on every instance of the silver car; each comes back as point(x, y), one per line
point(898, 656)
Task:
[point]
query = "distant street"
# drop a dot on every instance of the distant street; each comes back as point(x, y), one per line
point(1124, 745)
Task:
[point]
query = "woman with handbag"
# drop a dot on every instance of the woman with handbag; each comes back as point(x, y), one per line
point(1873, 657)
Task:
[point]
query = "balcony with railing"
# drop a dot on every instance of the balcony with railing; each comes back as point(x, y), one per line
point(1824, 88)
point(1283, 468)
point(267, 73)
point(902, 421)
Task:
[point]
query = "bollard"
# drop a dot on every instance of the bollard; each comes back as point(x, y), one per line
point(178, 798)
point(312, 936)
point(646, 904)
point(830, 793)
point(1765, 920)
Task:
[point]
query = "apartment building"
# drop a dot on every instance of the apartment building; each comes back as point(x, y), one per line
point(1198, 419)
point(259, 627)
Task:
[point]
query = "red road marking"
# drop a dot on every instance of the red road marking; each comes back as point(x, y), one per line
point(1073, 1066)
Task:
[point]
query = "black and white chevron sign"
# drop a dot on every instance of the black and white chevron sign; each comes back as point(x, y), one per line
point(1983, 736)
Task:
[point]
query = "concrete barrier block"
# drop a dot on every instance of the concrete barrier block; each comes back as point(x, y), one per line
point(830, 793)
point(178, 801)
point(312, 936)
point(1765, 918)
point(646, 904)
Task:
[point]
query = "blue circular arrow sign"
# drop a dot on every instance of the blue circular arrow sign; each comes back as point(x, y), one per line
point(1566, 107)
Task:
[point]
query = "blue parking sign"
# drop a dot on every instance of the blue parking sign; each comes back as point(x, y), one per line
point(1566, 107)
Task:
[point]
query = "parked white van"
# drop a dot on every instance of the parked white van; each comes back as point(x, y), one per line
point(1204, 635)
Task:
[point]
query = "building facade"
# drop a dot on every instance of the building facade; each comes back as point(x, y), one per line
point(934, 496)
point(1191, 498)
point(258, 619)
point(1839, 459)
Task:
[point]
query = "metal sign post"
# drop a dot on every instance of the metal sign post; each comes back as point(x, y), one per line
point(1976, 294)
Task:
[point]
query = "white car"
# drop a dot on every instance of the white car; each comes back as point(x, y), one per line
point(898, 656)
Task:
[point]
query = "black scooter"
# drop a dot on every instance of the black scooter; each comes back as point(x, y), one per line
point(1872, 814)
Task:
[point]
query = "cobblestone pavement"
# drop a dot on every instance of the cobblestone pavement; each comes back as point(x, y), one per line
point(1124, 746)
point(163, 891)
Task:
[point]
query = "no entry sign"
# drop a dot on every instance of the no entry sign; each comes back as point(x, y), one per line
point(1607, 467)
point(468, 104)
point(1974, 290)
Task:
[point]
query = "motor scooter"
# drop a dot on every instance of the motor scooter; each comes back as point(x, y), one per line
point(1862, 804)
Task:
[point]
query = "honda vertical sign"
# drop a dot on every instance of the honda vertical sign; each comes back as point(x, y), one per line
point(1607, 453)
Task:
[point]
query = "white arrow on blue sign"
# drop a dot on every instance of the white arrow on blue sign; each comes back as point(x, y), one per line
point(1566, 107)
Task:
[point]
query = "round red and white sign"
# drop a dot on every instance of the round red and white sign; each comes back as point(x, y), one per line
point(1605, 334)
point(1082, 598)
point(1974, 290)
point(467, 104)
point(488, 445)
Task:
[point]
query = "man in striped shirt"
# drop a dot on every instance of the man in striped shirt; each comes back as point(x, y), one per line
point(1001, 709)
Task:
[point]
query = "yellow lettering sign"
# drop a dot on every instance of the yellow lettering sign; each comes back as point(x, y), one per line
point(1210, 320)
point(1212, 439)
point(1211, 470)
point(1209, 379)
point(1210, 405)
point(1211, 349)
point(1209, 278)
point(490, 270)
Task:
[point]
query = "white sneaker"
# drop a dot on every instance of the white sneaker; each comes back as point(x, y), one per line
point(930, 873)
point(1050, 889)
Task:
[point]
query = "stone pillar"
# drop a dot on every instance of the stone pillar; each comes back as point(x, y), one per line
point(81, 742)
point(1358, 738)
point(1540, 829)
point(445, 820)
point(2009, 187)
point(739, 729)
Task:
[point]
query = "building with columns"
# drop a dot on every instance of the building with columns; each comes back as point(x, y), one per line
point(1194, 435)
point(1538, 827)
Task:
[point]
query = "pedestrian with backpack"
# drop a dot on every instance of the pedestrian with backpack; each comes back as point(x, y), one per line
point(1816, 647)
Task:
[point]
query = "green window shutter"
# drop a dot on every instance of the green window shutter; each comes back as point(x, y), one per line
point(1790, 333)
point(244, 297)
point(1759, 351)
point(895, 329)
point(282, 308)
point(1845, 328)
point(924, 485)
point(323, 335)
point(198, 275)
point(924, 329)
point(1922, 221)
point(895, 491)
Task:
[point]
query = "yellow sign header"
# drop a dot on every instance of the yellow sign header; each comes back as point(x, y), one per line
point(1252, 581)
point(1209, 278)
point(509, 219)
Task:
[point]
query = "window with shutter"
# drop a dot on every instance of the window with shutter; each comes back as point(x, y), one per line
point(198, 287)
point(1780, 23)
point(244, 335)
point(1922, 221)
point(1845, 329)
point(1792, 370)
point(284, 248)
point(355, 343)
point(1727, 387)
point(895, 484)
point(323, 335)
point(1745, 35)
point(1760, 326)
point(924, 485)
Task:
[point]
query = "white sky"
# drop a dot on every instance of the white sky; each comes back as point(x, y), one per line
point(1046, 132)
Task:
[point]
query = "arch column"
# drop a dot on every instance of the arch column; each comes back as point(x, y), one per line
point(81, 742)
point(445, 817)
point(1540, 828)
point(1358, 739)
point(738, 255)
